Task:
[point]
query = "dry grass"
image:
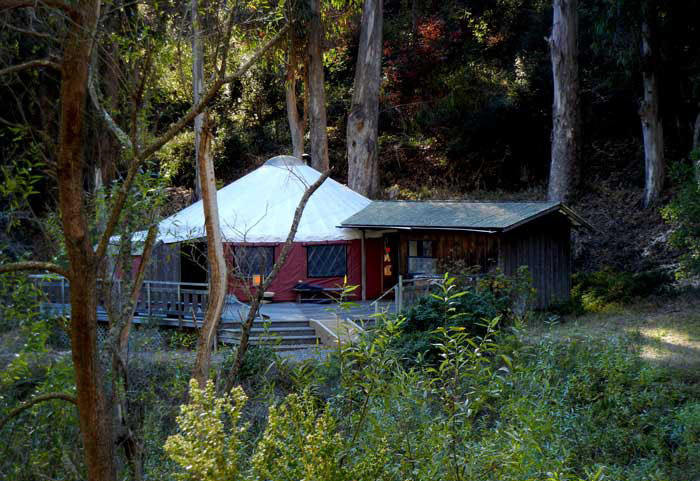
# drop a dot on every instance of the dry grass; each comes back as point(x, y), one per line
point(667, 332)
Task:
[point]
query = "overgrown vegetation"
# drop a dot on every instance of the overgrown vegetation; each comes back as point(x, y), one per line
point(683, 214)
point(607, 290)
point(487, 403)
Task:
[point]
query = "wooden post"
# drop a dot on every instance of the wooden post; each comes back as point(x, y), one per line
point(148, 297)
point(180, 304)
point(364, 267)
point(399, 300)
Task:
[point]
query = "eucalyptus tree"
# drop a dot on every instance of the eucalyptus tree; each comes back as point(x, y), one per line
point(566, 124)
point(363, 119)
point(318, 134)
point(627, 31)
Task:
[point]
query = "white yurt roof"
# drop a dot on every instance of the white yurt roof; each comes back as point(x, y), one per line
point(260, 206)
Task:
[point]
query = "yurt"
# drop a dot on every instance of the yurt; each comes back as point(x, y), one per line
point(256, 213)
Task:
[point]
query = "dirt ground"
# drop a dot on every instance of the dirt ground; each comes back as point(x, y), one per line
point(667, 331)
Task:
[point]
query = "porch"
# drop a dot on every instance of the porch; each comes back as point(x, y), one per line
point(289, 325)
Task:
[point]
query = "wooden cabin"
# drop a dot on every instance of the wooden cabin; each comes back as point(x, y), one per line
point(420, 238)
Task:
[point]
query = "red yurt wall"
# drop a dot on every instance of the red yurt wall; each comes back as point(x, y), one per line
point(295, 270)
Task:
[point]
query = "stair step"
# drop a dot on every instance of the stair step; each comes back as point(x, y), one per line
point(282, 331)
point(270, 322)
point(294, 347)
point(275, 340)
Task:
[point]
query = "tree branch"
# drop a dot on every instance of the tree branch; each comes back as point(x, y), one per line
point(34, 266)
point(255, 304)
point(174, 129)
point(46, 63)
point(39, 399)
point(111, 124)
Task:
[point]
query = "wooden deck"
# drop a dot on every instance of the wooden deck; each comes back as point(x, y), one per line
point(289, 324)
point(312, 311)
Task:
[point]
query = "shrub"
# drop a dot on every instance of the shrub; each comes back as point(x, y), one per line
point(683, 214)
point(608, 289)
point(686, 435)
point(209, 444)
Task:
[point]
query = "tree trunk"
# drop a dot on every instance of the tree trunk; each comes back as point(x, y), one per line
point(94, 414)
point(696, 133)
point(296, 127)
point(563, 43)
point(363, 120)
point(652, 129)
point(217, 262)
point(197, 89)
point(414, 20)
point(317, 92)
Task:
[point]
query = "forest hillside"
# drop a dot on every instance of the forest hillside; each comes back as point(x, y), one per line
point(464, 107)
point(511, 340)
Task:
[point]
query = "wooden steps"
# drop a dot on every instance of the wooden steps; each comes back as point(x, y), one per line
point(280, 334)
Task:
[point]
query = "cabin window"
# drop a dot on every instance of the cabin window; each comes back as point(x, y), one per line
point(326, 260)
point(254, 262)
point(421, 257)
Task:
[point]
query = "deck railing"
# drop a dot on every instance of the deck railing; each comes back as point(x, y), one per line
point(157, 299)
point(407, 292)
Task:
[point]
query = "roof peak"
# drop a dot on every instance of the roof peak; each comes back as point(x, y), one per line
point(284, 161)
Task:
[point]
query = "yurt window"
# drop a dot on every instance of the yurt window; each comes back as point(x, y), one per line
point(254, 261)
point(326, 260)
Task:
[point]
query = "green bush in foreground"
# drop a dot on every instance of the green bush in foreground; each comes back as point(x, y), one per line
point(488, 409)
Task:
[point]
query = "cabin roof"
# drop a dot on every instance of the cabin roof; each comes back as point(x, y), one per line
point(455, 215)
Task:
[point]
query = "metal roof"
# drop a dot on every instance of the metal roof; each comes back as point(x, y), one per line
point(455, 215)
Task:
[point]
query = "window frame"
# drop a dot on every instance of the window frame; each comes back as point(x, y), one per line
point(420, 250)
point(238, 272)
point(345, 264)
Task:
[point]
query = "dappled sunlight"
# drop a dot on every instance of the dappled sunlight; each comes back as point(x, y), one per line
point(671, 345)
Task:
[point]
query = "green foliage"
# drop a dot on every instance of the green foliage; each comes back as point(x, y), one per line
point(299, 443)
point(685, 433)
point(208, 446)
point(19, 181)
point(683, 215)
point(42, 441)
point(182, 339)
point(608, 289)
point(257, 360)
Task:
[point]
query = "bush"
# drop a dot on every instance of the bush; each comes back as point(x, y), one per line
point(257, 360)
point(686, 435)
point(683, 214)
point(608, 289)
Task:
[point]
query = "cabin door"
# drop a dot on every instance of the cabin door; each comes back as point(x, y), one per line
point(390, 261)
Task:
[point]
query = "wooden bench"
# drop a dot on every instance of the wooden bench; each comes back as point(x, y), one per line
point(305, 294)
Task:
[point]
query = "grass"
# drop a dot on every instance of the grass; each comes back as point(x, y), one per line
point(666, 331)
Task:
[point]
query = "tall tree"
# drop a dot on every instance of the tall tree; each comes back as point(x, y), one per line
point(197, 88)
point(86, 262)
point(563, 46)
point(363, 120)
point(652, 128)
point(317, 91)
point(296, 121)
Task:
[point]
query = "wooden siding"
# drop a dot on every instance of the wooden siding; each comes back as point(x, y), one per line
point(165, 263)
point(544, 246)
point(471, 248)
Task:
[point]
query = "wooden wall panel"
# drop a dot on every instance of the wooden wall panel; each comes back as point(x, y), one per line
point(545, 247)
